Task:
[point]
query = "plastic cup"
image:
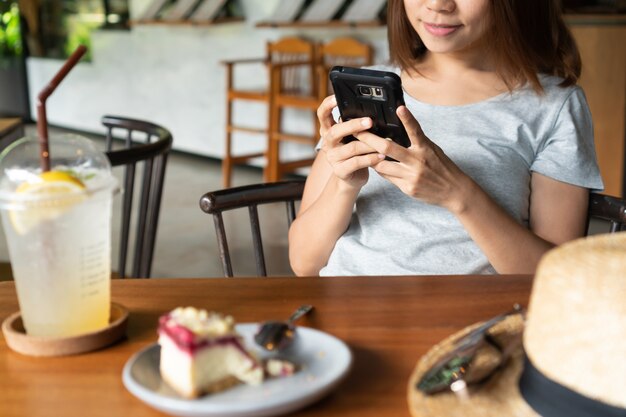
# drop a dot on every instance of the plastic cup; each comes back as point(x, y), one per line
point(59, 235)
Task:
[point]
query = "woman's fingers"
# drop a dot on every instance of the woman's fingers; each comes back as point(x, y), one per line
point(355, 163)
point(384, 146)
point(390, 169)
point(349, 150)
point(337, 132)
point(412, 127)
point(325, 114)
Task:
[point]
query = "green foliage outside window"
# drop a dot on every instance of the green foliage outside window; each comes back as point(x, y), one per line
point(82, 17)
point(54, 28)
point(10, 36)
point(79, 33)
point(69, 23)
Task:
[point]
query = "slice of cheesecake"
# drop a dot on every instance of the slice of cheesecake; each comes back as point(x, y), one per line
point(202, 353)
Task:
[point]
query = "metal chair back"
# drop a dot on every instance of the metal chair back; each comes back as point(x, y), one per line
point(149, 144)
point(249, 196)
point(607, 208)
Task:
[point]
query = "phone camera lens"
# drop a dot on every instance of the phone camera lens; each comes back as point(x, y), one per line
point(365, 91)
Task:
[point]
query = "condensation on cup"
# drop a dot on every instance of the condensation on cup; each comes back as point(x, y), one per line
point(58, 230)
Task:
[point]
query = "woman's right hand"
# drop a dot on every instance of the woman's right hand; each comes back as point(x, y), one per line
point(349, 161)
point(337, 175)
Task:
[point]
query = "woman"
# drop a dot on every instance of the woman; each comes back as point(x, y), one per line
point(501, 158)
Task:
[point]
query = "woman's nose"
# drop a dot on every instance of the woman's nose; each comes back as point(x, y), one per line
point(444, 6)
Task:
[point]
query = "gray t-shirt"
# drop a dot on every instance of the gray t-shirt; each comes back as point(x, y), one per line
point(498, 142)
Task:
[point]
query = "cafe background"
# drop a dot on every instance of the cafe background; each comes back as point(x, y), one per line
point(171, 72)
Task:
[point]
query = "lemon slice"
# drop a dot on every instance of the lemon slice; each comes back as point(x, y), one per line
point(46, 199)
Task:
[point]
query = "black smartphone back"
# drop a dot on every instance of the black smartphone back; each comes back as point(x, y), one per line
point(370, 93)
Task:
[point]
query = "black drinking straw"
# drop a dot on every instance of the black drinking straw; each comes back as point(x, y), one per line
point(42, 122)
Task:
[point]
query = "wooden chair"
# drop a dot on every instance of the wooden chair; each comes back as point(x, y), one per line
point(609, 209)
point(149, 144)
point(292, 50)
point(340, 51)
point(249, 196)
point(11, 129)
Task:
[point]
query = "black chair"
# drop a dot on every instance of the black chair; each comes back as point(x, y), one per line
point(150, 144)
point(607, 208)
point(250, 196)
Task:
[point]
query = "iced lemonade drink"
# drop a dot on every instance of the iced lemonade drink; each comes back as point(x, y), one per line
point(58, 229)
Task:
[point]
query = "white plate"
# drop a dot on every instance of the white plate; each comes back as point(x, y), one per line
point(323, 361)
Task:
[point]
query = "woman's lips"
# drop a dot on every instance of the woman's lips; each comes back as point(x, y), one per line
point(440, 30)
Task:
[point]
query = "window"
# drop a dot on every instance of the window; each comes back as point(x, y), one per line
point(10, 33)
point(54, 28)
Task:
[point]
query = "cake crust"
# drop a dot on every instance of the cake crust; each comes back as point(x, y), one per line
point(217, 386)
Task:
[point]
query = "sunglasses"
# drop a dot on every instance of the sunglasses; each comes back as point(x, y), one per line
point(473, 358)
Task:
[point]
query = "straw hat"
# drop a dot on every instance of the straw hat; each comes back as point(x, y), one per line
point(575, 340)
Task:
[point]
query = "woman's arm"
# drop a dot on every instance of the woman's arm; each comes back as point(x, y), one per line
point(337, 175)
point(423, 171)
point(557, 214)
point(323, 217)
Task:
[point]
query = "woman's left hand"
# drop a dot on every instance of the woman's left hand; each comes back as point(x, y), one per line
point(423, 170)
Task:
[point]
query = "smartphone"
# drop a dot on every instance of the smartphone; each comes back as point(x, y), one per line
point(370, 93)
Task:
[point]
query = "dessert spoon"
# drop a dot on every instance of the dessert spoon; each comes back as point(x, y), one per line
point(277, 335)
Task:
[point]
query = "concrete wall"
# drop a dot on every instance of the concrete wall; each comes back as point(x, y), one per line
point(171, 75)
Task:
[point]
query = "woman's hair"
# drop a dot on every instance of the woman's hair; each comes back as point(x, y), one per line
point(527, 37)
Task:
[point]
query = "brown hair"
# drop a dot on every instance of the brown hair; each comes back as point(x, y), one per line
point(528, 37)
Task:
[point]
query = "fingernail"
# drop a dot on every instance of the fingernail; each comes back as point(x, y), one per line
point(381, 156)
point(334, 100)
point(366, 122)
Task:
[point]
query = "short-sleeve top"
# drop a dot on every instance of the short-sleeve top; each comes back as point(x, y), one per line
point(498, 142)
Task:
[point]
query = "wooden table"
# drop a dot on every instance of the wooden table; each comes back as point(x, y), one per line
point(11, 129)
point(388, 322)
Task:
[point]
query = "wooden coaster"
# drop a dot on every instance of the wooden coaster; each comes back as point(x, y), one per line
point(19, 341)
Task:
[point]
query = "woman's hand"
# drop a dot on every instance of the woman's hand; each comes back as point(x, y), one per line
point(423, 170)
point(337, 175)
point(349, 161)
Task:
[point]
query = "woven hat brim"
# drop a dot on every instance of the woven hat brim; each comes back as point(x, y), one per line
point(496, 397)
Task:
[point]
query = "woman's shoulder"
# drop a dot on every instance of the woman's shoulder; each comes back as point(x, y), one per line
point(554, 95)
point(552, 86)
